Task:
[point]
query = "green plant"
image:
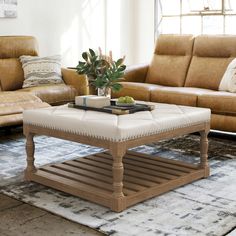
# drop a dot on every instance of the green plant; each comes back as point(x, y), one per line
point(101, 70)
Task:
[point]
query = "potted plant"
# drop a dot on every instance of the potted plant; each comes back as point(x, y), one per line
point(103, 73)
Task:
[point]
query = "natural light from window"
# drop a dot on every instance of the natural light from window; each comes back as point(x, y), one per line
point(196, 16)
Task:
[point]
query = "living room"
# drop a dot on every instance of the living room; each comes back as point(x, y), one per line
point(117, 117)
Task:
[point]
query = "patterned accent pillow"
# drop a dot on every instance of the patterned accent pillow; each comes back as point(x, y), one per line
point(41, 70)
point(228, 82)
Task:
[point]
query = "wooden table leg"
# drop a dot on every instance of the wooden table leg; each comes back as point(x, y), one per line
point(204, 152)
point(30, 155)
point(117, 151)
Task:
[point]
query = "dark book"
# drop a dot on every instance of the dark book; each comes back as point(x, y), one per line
point(117, 110)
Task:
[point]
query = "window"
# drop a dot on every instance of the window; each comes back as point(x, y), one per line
point(195, 16)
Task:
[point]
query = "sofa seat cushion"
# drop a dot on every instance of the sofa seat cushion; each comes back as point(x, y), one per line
point(224, 123)
point(53, 94)
point(12, 104)
point(139, 91)
point(223, 103)
point(9, 120)
point(177, 95)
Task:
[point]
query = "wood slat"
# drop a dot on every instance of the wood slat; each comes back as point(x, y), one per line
point(77, 177)
point(127, 178)
point(128, 189)
point(90, 193)
point(145, 164)
point(154, 175)
point(163, 174)
point(72, 183)
point(172, 184)
point(164, 160)
point(128, 173)
point(155, 162)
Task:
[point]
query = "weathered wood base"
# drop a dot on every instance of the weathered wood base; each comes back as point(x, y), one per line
point(91, 178)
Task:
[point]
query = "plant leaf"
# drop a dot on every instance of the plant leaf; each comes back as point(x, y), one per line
point(85, 56)
point(93, 54)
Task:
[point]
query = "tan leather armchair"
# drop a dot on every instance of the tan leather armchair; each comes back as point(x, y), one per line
point(14, 99)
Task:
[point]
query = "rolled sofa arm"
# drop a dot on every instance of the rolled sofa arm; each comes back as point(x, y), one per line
point(79, 82)
point(136, 73)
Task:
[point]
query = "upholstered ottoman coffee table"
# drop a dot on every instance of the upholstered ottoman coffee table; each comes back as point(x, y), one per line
point(117, 178)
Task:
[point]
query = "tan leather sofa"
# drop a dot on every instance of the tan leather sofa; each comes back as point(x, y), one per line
point(14, 99)
point(187, 70)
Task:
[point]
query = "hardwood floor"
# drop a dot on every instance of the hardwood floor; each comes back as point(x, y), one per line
point(19, 219)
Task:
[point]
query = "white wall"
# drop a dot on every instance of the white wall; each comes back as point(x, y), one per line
point(68, 27)
point(133, 34)
point(64, 27)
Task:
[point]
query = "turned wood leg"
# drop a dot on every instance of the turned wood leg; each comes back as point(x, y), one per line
point(30, 155)
point(118, 151)
point(204, 152)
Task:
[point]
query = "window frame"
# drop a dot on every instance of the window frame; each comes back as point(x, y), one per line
point(222, 12)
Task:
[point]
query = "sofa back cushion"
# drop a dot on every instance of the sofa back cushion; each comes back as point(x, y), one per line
point(11, 48)
point(170, 60)
point(211, 56)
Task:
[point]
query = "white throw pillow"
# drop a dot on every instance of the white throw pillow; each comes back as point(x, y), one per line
point(41, 70)
point(228, 82)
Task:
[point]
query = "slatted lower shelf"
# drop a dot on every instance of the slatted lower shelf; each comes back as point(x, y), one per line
point(91, 177)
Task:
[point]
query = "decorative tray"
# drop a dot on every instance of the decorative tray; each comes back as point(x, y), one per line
point(114, 109)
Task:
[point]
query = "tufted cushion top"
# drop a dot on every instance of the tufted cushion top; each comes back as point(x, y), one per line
point(164, 117)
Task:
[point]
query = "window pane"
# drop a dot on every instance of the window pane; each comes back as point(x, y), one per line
point(193, 6)
point(213, 4)
point(186, 7)
point(213, 25)
point(170, 25)
point(170, 7)
point(230, 6)
point(191, 25)
point(230, 24)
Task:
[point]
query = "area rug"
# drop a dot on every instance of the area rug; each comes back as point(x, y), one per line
point(204, 207)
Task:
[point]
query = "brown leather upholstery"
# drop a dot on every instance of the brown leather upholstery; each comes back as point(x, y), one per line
point(224, 123)
point(171, 60)
point(12, 105)
point(10, 120)
point(11, 48)
point(79, 82)
point(219, 102)
point(136, 73)
point(11, 79)
point(53, 94)
point(12, 75)
point(16, 46)
point(211, 56)
point(177, 95)
point(139, 91)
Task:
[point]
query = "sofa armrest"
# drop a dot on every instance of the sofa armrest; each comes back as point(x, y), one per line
point(79, 82)
point(136, 73)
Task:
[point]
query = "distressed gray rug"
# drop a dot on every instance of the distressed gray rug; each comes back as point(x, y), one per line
point(205, 207)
